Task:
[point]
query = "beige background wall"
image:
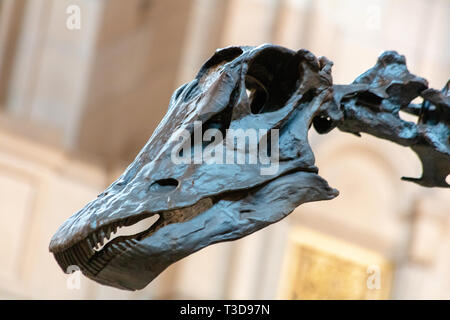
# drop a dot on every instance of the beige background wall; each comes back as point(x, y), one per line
point(77, 105)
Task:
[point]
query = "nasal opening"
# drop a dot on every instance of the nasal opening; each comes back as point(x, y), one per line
point(164, 185)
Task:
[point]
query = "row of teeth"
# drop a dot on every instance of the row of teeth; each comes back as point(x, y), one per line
point(81, 253)
point(90, 255)
point(97, 239)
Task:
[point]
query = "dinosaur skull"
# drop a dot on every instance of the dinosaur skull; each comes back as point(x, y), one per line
point(207, 189)
point(271, 90)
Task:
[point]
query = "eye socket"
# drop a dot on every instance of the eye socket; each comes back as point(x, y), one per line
point(256, 93)
point(272, 77)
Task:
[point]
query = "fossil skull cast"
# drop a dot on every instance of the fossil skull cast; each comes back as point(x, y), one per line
point(271, 90)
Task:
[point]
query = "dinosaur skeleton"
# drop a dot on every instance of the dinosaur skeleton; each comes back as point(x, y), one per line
point(263, 87)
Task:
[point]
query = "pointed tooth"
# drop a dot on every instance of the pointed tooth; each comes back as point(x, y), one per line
point(71, 256)
point(102, 260)
point(82, 260)
point(116, 248)
point(88, 267)
point(62, 259)
point(95, 269)
point(102, 237)
point(58, 258)
point(97, 265)
point(68, 259)
point(89, 248)
point(79, 253)
point(90, 242)
point(108, 232)
point(131, 242)
point(86, 249)
point(109, 252)
point(66, 262)
point(76, 257)
point(94, 237)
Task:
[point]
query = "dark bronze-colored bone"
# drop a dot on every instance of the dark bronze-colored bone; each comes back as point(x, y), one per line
point(262, 88)
point(372, 103)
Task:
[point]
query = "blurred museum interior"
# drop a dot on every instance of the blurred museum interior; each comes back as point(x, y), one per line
point(76, 105)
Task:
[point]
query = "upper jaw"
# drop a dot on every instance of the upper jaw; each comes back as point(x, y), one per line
point(121, 205)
